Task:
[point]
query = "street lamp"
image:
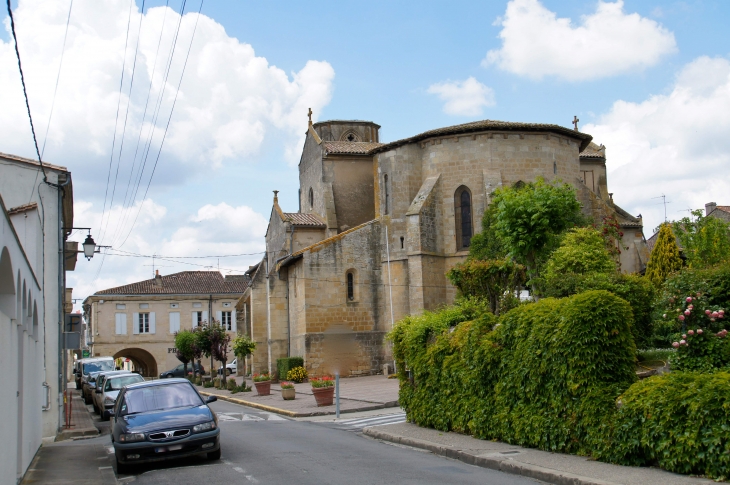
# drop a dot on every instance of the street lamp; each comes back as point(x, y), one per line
point(89, 247)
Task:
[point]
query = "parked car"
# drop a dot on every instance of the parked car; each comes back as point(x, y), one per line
point(179, 371)
point(161, 420)
point(96, 384)
point(231, 368)
point(108, 390)
point(93, 365)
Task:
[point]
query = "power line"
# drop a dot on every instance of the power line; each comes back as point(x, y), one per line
point(192, 257)
point(114, 137)
point(25, 91)
point(172, 110)
point(125, 202)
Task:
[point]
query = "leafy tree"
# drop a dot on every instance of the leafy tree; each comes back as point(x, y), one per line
point(664, 259)
point(497, 280)
point(203, 343)
point(530, 218)
point(705, 240)
point(184, 341)
point(219, 343)
point(487, 244)
point(243, 346)
point(582, 251)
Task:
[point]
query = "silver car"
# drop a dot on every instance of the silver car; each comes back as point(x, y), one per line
point(110, 388)
point(95, 384)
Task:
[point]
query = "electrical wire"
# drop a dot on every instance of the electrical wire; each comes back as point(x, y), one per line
point(25, 91)
point(172, 110)
point(192, 257)
point(116, 122)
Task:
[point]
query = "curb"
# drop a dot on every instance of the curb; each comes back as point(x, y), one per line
point(70, 434)
point(495, 463)
point(294, 414)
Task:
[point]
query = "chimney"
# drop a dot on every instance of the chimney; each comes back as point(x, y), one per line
point(709, 207)
point(158, 278)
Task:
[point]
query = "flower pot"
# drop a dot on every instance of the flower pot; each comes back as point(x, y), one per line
point(288, 394)
point(263, 388)
point(323, 395)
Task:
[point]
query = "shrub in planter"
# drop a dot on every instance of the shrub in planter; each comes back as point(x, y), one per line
point(297, 374)
point(676, 420)
point(231, 384)
point(217, 382)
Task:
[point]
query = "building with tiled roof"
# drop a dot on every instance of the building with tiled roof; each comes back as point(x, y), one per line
point(138, 321)
point(379, 225)
point(721, 212)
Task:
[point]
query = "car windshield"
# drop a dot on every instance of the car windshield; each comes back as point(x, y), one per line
point(99, 366)
point(116, 383)
point(156, 398)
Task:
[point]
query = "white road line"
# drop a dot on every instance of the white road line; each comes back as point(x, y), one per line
point(373, 419)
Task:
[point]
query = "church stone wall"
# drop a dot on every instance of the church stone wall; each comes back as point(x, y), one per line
point(310, 176)
point(353, 191)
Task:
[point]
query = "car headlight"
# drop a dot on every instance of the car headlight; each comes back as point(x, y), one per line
point(199, 428)
point(131, 437)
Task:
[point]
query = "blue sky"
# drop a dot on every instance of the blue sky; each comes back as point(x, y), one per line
point(648, 79)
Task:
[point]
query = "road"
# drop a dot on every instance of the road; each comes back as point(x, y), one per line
point(261, 447)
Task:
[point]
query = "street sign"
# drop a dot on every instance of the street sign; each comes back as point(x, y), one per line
point(85, 354)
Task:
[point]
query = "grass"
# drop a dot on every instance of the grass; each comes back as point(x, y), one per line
point(652, 355)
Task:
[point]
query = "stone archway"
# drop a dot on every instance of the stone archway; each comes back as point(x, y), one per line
point(143, 361)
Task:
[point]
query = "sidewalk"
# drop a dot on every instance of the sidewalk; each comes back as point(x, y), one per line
point(82, 425)
point(548, 467)
point(356, 394)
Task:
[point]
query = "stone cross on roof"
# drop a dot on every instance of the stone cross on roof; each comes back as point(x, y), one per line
point(575, 122)
point(310, 116)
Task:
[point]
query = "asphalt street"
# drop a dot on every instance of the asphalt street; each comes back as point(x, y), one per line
point(261, 447)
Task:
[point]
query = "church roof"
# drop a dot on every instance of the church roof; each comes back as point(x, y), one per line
point(593, 151)
point(476, 126)
point(350, 147)
point(185, 282)
point(301, 219)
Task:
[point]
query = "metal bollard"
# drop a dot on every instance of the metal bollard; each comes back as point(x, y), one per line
point(337, 395)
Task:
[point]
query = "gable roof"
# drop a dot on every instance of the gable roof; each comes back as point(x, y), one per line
point(301, 219)
point(476, 126)
point(185, 282)
point(350, 147)
point(593, 151)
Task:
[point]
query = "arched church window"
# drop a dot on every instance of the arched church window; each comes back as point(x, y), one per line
point(463, 217)
point(386, 188)
point(311, 198)
point(350, 286)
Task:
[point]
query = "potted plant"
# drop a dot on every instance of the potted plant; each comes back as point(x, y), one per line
point(287, 390)
point(323, 389)
point(262, 383)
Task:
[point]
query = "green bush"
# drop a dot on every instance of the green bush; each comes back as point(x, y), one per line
point(678, 421)
point(217, 382)
point(544, 377)
point(286, 364)
point(496, 280)
point(242, 388)
point(231, 384)
point(297, 374)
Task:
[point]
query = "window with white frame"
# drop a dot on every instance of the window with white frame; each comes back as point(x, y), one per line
point(143, 323)
point(226, 320)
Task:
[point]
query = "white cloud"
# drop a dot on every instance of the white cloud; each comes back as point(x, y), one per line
point(536, 43)
point(675, 144)
point(212, 230)
point(229, 102)
point(463, 98)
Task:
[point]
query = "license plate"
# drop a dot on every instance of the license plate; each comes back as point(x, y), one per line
point(163, 449)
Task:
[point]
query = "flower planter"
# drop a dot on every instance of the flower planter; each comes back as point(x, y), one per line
point(323, 395)
point(263, 388)
point(288, 394)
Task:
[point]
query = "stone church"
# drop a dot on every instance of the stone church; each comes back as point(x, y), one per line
point(379, 225)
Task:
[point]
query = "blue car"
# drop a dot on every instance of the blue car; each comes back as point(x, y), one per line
point(162, 420)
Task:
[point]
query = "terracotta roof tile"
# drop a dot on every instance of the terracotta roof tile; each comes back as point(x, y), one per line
point(186, 282)
point(593, 151)
point(350, 147)
point(484, 125)
point(301, 219)
point(22, 208)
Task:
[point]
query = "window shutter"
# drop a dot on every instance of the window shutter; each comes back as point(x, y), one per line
point(117, 321)
point(205, 316)
point(135, 323)
point(123, 323)
point(174, 322)
point(233, 320)
point(219, 316)
point(194, 319)
point(152, 322)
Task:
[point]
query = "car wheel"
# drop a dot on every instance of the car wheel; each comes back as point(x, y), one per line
point(215, 455)
point(228, 372)
point(86, 400)
point(122, 469)
point(96, 409)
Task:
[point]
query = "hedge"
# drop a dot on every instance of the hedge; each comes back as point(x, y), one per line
point(285, 364)
point(678, 421)
point(543, 377)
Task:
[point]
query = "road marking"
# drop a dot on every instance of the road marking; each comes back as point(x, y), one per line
point(250, 478)
point(273, 417)
point(357, 424)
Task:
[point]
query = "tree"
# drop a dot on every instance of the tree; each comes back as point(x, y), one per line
point(705, 241)
point(184, 341)
point(487, 244)
point(664, 259)
point(582, 251)
point(530, 218)
point(219, 343)
point(203, 343)
point(243, 346)
point(497, 280)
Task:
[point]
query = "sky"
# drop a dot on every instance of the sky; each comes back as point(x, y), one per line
point(178, 128)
